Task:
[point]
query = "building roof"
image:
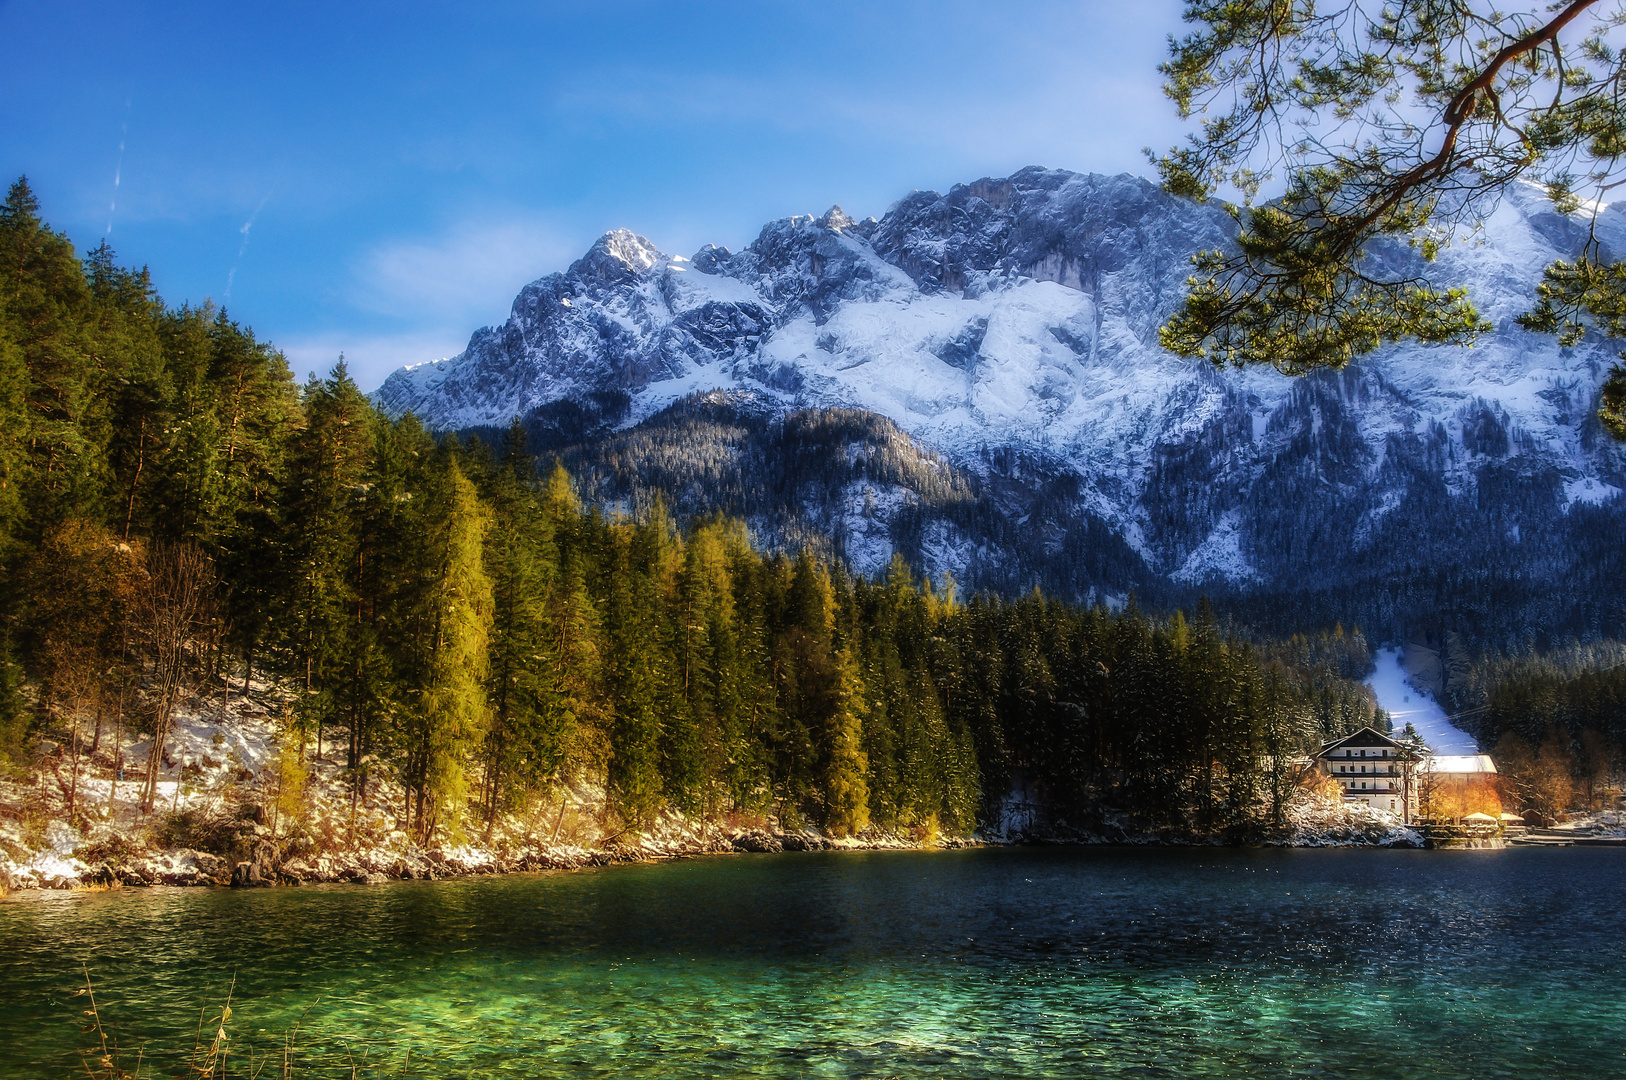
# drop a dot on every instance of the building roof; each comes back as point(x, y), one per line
point(1459, 763)
point(1367, 736)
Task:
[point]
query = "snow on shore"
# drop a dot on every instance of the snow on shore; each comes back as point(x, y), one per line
point(215, 820)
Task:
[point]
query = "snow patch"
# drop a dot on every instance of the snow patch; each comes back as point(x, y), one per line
point(1588, 489)
point(1219, 556)
point(1406, 704)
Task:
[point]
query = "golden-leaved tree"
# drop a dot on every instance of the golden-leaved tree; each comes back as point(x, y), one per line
point(454, 703)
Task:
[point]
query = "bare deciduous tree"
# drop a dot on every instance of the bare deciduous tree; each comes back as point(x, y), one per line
point(176, 606)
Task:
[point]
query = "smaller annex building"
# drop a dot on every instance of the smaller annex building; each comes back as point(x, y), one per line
point(1452, 786)
point(1369, 767)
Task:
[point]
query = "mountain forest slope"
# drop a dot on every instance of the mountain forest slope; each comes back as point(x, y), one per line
point(179, 520)
point(1003, 412)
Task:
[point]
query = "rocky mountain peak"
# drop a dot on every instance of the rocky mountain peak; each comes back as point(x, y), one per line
point(618, 254)
point(711, 259)
point(836, 219)
point(1011, 324)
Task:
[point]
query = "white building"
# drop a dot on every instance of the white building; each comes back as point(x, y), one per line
point(1371, 768)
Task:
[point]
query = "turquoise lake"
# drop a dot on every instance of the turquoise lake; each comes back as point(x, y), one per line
point(981, 963)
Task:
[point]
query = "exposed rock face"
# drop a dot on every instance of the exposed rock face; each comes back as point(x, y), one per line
point(1011, 326)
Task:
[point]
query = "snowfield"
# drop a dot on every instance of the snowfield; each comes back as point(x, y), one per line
point(1023, 312)
point(1406, 704)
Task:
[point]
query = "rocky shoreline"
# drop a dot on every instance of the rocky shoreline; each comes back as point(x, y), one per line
point(223, 818)
point(266, 867)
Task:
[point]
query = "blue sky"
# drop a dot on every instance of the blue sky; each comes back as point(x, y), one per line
point(382, 178)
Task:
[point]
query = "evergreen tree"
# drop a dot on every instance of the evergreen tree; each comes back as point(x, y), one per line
point(455, 712)
point(318, 614)
point(45, 301)
point(846, 792)
point(525, 744)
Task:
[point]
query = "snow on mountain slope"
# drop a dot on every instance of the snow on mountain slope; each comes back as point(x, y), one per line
point(1023, 313)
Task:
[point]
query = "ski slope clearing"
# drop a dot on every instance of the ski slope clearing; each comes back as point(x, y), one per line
point(1406, 704)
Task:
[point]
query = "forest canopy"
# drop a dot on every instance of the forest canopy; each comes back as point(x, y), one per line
point(178, 515)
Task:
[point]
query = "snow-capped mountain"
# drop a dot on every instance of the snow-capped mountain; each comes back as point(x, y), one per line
point(1011, 327)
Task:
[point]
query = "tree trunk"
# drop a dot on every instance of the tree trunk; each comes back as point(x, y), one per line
point(73, 788)
point(141, 459)
point(118, 759)
point(155, 761)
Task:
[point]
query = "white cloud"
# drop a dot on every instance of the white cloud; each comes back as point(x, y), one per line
point(431, 293)
point(466, 276)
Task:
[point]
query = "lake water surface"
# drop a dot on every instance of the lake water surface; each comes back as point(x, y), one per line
point(981, 963)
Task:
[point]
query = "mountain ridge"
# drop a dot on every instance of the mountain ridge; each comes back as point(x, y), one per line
point(1020, 314)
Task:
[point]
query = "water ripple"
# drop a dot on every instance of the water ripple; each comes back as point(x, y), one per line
point(976, 964)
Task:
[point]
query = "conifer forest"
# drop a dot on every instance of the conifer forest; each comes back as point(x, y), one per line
point(178, 513)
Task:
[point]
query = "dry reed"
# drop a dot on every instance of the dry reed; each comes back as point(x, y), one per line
point(211, 1050)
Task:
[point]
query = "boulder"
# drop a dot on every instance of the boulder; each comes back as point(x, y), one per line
point(266, 858)
point(138, 872)
point(757, 840)
point(800, 842)
point(246, 875)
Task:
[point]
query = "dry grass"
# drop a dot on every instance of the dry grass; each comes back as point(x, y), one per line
point(211, 1051)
